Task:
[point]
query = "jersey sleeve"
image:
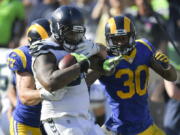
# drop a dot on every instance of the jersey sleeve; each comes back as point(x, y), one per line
point(42, 47)
point(147, 44)
point(17, 61)
point(13, 81)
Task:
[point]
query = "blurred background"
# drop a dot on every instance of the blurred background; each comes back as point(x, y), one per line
point(156, 20)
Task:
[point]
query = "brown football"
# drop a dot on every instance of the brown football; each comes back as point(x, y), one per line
point(67, 61)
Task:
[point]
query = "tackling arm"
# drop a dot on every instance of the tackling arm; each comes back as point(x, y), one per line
point(168, 73)
point(26, 87)
point(50, 76)
point(91, 76)
point(96, 65)
point(11, 92)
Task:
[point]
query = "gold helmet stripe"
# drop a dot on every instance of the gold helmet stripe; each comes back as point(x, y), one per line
point(127, 24)
point(112, 25)
point(41, 31)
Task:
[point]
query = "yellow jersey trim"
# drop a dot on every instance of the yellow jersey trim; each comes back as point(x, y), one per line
point(144, 43)
point(112, 25)
point(22, 56)
point(131, 56)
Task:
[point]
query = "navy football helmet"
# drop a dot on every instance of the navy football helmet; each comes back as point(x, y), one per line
point(38, 30)
point(120, 35)
point(67, 26)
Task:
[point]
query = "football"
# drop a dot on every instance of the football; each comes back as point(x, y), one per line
point(67, 61)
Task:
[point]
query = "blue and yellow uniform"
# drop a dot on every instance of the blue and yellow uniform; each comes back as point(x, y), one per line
point(26, 119)
point(127, 93)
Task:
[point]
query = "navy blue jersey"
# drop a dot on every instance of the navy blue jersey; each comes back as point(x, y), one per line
point(127, 92)
point(19, 60)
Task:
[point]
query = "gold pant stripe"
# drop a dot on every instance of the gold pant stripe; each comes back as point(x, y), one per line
point(22, 129)
point(152, 130)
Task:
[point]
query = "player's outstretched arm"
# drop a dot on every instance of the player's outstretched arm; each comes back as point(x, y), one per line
point(101, 67)
point(50, 76)
point(92, 76)
point(160, 64)
point(11, 93)
point(172, 90)
point(26, 89)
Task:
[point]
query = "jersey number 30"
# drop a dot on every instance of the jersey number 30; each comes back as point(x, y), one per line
point(134, 82)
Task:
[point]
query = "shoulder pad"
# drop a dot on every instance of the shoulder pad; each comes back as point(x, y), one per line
point(17, 60)
point(42, 47)
point(146, 43)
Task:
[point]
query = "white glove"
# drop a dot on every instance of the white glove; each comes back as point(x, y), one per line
point(87, 48)
point(52, 96)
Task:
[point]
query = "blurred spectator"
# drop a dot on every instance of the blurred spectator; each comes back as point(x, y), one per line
point(5, 79)
point(100, 7)
point(1, 131)
point(11, 93)
point(116, 8)
point(42, 10)
point(161, 7)
point(147, 25)
point(174, 19)
point(0, 105)
point(172, 110)
point(98, 100)
point(157, 104)
point(31, 2)
point(173, 89)
point(28, 4)
point(64, 2)
point(12, 16)
point(86, 7)
point(174, 30)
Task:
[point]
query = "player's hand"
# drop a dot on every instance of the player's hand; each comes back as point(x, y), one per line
point(111, 63)
point(83, 61)
point(52, 96)
point(162, 59)
point(87, 48)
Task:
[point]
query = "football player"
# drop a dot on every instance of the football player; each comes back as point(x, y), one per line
point(67, 112)
point(26, 116)
point(126, 89)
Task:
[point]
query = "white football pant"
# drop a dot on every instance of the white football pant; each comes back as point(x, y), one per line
point(69, 125)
